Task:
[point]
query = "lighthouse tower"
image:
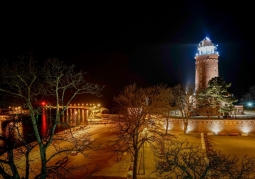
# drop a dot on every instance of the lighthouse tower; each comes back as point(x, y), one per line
point(206, 65)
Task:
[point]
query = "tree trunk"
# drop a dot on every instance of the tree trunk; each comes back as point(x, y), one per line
point(12, 165)
point(209, 114)
point(167, 121)
point(27, 163)
point(39, 141)
point(135, 164)
point(43, 163)
point(185, 127)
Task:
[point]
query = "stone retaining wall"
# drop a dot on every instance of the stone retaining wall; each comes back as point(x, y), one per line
point(215, 126)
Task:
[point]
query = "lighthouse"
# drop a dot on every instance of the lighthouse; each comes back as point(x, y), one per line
point(206, 65)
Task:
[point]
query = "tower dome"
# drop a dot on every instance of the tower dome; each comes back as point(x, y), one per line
point(206, 65)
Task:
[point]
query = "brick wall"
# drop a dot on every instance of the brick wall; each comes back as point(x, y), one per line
point(206, 69)
point(216, 126)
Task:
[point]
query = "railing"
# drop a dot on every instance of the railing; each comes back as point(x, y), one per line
point(205, 53)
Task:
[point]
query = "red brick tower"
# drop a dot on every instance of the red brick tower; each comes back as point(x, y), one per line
point(206, 65)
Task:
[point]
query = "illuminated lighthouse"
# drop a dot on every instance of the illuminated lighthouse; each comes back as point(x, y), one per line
point(206, 65)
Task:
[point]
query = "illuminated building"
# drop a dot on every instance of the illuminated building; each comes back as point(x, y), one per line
point(206, 65)
point(206, 68)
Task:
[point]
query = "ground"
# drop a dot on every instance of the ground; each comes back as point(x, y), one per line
point(236, 145)
point(109, 167)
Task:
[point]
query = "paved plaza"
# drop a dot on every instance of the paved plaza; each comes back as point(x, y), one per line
point(236, 145)
point(109, 167)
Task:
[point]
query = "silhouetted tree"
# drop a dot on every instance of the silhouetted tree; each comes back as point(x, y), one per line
point(164, 105)
point(24, 79)
point(135, 105)
point(8, 168)
point(248, 100)
point(179, 159)
point(184, 100)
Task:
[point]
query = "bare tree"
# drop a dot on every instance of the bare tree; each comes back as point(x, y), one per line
point(8, 169)
point(61, 79)
point(11, 152)
point(179, 159)
point(248, 99)
point(184, 99)
point(164, 105)
point(167, 103)
point(22, 79)
point(19, 80)
point(135, 106)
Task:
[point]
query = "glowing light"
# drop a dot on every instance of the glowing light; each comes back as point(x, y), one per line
point(216, 127)
point(245, 129)
point(170, 125)
point(190, 127)
point(44, 126)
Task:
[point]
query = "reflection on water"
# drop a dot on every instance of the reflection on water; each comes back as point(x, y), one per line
point(45, 123)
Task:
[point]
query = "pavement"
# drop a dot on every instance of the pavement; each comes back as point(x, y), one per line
point(119, 170)
point(122, 168)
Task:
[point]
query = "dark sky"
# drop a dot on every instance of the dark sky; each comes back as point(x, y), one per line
point(122, 43)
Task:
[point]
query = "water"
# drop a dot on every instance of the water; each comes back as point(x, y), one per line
point(45, 123)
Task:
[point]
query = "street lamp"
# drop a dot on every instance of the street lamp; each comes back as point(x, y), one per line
point(250, 104)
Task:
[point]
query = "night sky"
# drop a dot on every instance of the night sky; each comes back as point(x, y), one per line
point(121, 43)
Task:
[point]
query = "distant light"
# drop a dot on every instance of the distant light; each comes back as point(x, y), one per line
point(207, 38)
point(249, 104)
point(43, 103)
